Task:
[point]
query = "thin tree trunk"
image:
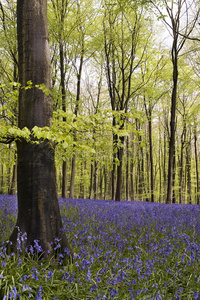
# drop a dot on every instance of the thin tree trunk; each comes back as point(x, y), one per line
point(101, 184)
point(151, 157)
point(196, 165)
point(118, 195)
point(64, 179)
point(183, 136)
point(95, 182)
point(91, 180)
point(174, 176)
point(188, 166)
point(72, 178)
point(174, 53)
point(12, 190)
point(132, 172)
point(78, 94)
point(63, 90)
point(2, 179)
point(105, 183)
point(127, 170)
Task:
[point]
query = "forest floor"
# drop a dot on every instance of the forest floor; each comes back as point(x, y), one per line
point(123, 250)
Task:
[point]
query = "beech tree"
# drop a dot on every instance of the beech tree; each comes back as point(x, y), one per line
point(180, 31)
point(38, 209)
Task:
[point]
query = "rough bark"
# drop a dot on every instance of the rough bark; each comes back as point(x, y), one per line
point(38, 209)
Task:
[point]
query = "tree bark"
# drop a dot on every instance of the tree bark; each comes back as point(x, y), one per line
point(12, 189)
point(95, 183)
point(105, 183)
point(172, 124)
point(127, 169)
point(188, 172)
point(196, 164)
point(78, 94)
point(38, 209)
point(63, 90)
point(151, 156)
point(91, 180)
point(183, 137)
point(118, 195)
point(72, 180)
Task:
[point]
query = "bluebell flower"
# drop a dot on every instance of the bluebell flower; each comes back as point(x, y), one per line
point(50, 274)
point(3, 263)
point(87, 278)
point(98, 279)
point(196, 296)
point(93, 288)
point(25, 287)
point(37, 246)
point(113, 292)
point(13, 293)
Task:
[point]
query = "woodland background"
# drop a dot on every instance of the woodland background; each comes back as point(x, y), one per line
point(112, 84)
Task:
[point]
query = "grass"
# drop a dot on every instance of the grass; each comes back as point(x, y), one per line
point(126, 250)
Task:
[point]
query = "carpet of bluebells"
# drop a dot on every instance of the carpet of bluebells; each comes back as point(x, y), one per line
point(126, 250)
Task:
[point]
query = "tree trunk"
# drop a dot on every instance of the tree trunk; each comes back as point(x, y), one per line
point(132, 172)
point(114, 161)
point(72, 180)
point(63, 90)
point(174, 53)
point(64, 179)
point(2, 179)
point(82, 181)
point(12, 190)
point(174, 177)
point(95, 183)
point(101, 184)
point(38, 209)
point(91, 180)
point(127, 169)
point(196, 164)
point(188, 168)
point(118, 195)
point(151, 157)
point(105, 183)
point(183, 136)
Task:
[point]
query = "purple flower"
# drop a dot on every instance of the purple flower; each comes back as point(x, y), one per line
point(37, 246)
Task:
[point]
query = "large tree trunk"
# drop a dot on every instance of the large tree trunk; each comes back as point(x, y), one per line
point(38, 209)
